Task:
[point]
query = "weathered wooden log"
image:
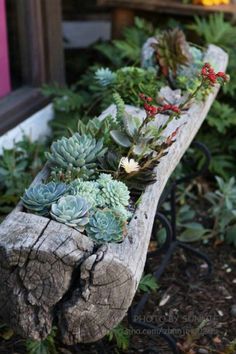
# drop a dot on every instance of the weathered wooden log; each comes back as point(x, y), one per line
point(51, 273)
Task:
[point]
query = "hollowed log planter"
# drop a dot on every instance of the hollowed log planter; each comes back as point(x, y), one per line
point(52, 274)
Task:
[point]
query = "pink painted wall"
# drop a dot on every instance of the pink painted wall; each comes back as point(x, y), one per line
point(5, 86)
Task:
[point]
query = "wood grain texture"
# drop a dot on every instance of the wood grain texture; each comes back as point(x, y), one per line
point(51, 272)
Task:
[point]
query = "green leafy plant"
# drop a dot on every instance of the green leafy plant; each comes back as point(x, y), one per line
point(222, 116)
point(148, 283)
point(40, 197)
point(127, 50)
point(121, 335)
point(72, 211)
point(98, 128)
point(46, 346)
point(18, 166)
point(223, 210)
point(106, 226)
point(75, 156)
point(215, 29)
point(128, 82)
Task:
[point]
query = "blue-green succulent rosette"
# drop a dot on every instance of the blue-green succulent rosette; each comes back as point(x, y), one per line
point(40, 197)
point(106, 226)
point(72, 211)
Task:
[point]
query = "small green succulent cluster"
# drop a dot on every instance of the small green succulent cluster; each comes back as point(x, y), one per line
point(106, 226)
point(88, 190)
point(40, 197)
point(98, 128)
point(75, 156)
point(105, 192)
point(71, 210)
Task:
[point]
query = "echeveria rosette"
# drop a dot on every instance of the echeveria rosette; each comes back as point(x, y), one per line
point(71, 210)
point(40, 197)
point(77, 154)
point(106, 226)
point(113, 192)
point(89, 190)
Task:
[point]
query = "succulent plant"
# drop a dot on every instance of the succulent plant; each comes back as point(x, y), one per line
point(129, 134)
point(89, 190)
point(71, 210)
point(138, 181)
point(114, 193)
point(98, 128)
point(172, 50)
point(105, 77)
point(105, 226)
point(76, 154)
point(123, 213)
point(109, 161)
point(40, 197)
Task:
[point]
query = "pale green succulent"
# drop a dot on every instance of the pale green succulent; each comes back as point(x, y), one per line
point(105, 226)
point(123, 213)
point(104, 179)
point(130, 134)
point(89, 190)
point(71, 210)
point(77, 154)
point(105, 77)
point(40, 197)
point(114, 193)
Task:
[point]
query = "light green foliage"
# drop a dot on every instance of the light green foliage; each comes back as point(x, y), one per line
point(123, 213)
point(97, 128)
point(18, 166)
point(120, 106)
point(222, 151)
point(215, 30)
point(130, 127)
point(72, 211)
point(77, 154)
point(105, 76)
point(223, 209)
point(121, 335)
point(129, 82)
point(65, 99)
point(114, 193)
point(40, 197)
point(89, 190)
point(222, 116)
point(105, 226)
point(134, 38)
point(191, 231)
point(143, 142)
point(46, 346)
point(132, 81)
point(148, 283)
point(68, 107)
point(105, 192)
